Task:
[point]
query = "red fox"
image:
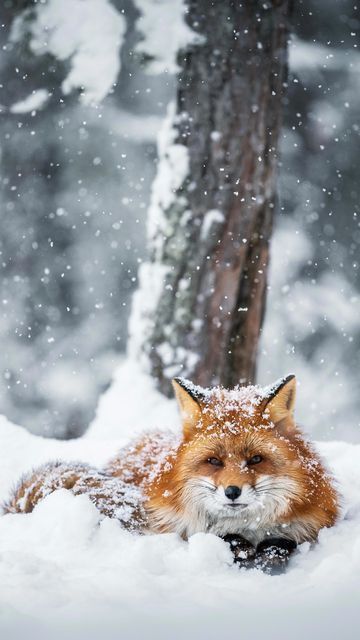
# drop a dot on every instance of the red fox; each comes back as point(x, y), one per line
point(240, 467)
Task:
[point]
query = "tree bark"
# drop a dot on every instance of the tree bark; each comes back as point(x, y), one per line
point(209, 243)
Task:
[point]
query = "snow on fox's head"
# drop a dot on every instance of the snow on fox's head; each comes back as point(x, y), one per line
point(239, 459)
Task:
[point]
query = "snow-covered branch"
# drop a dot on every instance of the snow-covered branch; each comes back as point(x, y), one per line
point(160, 43)
point(312, 57)
point(88, 34)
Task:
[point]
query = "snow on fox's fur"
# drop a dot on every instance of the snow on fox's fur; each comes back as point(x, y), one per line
point(244, 439)
point(241, 466)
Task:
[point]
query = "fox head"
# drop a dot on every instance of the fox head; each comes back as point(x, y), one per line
point(242, 462)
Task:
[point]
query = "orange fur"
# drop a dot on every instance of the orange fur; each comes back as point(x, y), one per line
point(232, 427)
point(111, 496)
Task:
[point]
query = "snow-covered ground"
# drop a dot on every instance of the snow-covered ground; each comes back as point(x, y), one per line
point(67, 573)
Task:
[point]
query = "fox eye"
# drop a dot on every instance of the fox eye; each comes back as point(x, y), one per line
point(215, 462)
point(255, 460)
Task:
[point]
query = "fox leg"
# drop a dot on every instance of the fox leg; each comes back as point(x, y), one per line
point(112, 497)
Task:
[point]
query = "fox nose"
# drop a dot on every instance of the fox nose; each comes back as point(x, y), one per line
point(232, 492)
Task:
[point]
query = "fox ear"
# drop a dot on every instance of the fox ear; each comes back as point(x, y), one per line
point(189, 397)
point(280, 402)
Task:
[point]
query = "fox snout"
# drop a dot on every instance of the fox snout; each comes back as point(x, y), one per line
point(232, 492)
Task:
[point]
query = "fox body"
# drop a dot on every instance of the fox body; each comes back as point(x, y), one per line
point(240, 466)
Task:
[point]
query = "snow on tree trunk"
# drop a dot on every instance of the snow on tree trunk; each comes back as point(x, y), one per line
point(201, 299)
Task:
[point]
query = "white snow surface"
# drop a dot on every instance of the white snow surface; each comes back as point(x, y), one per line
point(172, 171)
point(66, 572)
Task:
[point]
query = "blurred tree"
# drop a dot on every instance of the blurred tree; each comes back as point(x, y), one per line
point(202, 296)
point(74, 182)
point(74, 192)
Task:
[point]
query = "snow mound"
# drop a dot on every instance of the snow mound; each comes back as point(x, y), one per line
point(131, 405)
point(67, 572)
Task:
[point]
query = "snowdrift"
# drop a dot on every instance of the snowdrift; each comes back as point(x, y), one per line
point(65, 572)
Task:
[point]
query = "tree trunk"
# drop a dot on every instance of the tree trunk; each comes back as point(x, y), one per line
point(201, 299)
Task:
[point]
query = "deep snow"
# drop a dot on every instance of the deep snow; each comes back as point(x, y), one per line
point(67, 573)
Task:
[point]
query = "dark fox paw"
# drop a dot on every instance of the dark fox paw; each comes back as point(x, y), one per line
point(243, 551)
point(272, 555)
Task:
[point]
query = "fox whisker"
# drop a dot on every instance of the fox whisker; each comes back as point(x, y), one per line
point(205, 484)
